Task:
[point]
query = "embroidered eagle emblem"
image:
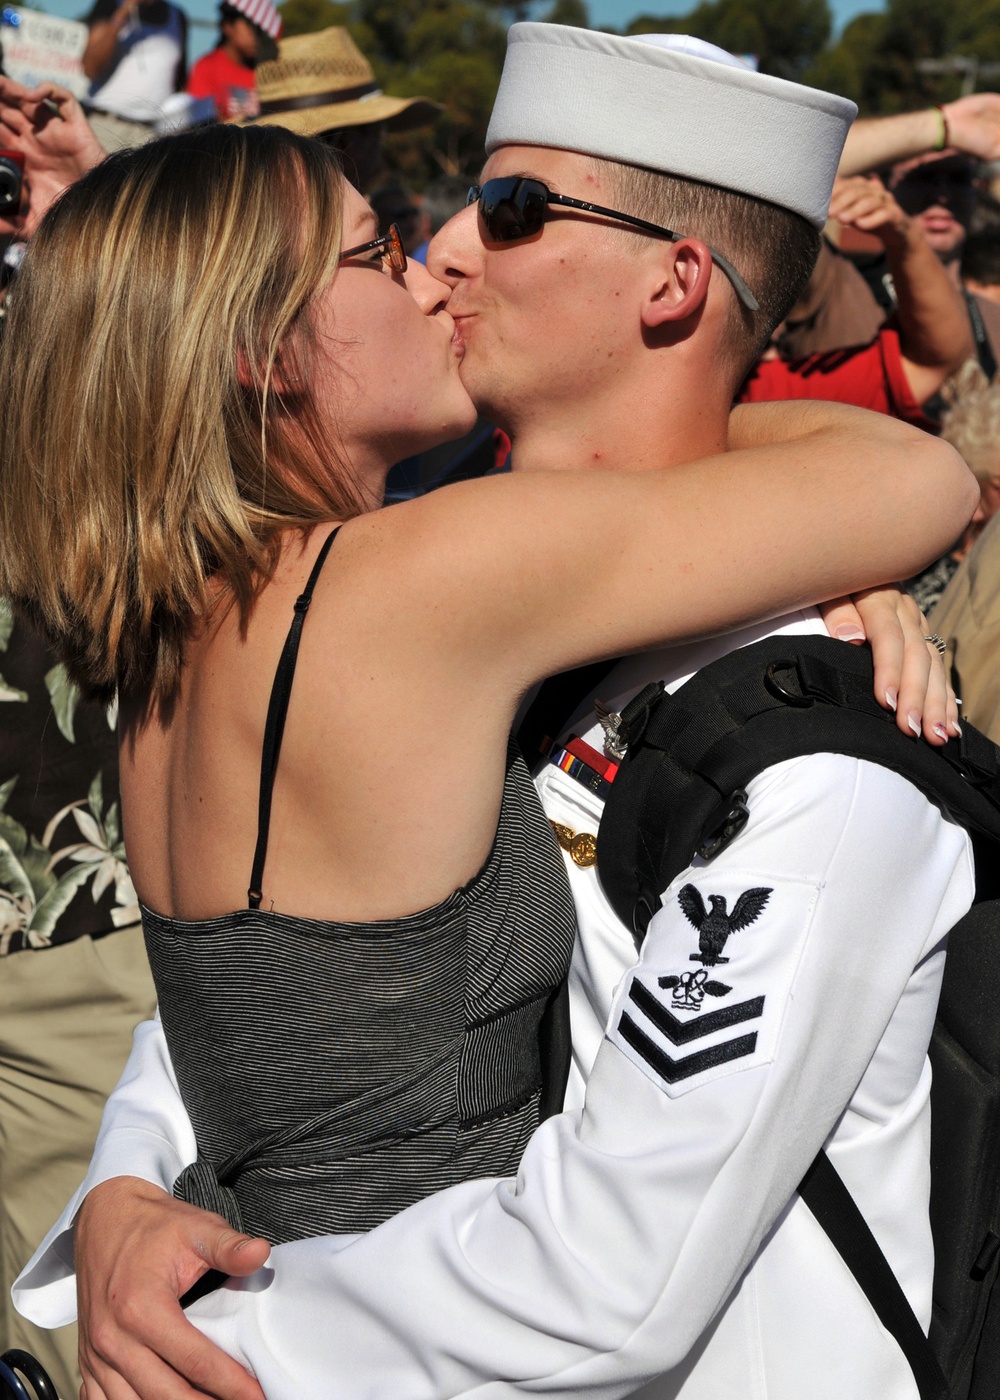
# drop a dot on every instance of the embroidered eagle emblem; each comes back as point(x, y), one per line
point(715, 927)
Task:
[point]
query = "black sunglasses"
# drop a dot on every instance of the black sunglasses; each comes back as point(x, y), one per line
point(390, 246)
point(514, 207)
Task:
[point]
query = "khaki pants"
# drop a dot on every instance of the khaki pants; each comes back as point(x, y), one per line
point(66, 1021)
point(118, 133)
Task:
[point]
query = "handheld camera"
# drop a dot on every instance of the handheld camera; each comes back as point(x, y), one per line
point(11, 180)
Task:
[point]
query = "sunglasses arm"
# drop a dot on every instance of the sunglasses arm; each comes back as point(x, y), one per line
point(741, 289)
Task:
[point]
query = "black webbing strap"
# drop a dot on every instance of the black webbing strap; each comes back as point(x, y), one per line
point(984, 350)
point(556, 1046)
point(835, 1209)
point(274, 728)
point(681, 789)
point(556, 700)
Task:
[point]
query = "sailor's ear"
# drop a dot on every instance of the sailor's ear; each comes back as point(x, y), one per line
point(681, 285)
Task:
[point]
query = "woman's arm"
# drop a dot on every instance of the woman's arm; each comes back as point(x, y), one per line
point(813, 501)
point(436, 616)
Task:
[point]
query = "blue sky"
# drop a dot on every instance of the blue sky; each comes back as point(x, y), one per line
point(614, 14)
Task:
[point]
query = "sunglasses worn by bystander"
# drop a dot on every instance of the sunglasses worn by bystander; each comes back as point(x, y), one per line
point(514, 207)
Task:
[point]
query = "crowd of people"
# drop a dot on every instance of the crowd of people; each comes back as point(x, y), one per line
point(700, 360)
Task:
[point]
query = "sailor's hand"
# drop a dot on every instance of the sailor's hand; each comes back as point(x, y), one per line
point(137, 1252)
point(910, 676)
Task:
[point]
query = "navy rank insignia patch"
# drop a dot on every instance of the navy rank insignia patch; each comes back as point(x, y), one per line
point(683, 1025)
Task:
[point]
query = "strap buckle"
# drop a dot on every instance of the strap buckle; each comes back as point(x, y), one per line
point(724, 825)
point(635, 716)
point(642, 911)
point(977, 759)
point(789, 697)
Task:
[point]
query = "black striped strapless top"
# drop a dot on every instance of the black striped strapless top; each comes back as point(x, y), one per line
point(335, 1073)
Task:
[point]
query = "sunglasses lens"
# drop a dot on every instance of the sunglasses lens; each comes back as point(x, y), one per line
point(512, 209)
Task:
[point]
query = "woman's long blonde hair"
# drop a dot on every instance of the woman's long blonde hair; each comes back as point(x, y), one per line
point(143, 444)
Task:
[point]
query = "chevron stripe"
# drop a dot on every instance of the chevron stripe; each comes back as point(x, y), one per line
point(672, 1071)
point(682, 1032)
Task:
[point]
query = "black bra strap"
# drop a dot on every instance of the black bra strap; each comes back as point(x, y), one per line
point(277, 709)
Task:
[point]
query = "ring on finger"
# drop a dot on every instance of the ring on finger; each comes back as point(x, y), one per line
point(939, 643)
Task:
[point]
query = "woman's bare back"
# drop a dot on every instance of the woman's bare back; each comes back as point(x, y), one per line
point(378, 803)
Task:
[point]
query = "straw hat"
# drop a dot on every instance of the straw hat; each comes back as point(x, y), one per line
point(323, 81)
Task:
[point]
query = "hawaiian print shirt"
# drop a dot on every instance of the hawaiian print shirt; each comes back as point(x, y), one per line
point(62, 858)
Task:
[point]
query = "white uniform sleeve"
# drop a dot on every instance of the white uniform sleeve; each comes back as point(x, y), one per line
point(145, 1132)
point(624, 1233)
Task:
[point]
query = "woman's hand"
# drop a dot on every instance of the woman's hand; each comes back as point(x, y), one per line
point(137, 1252)
point(909, 673)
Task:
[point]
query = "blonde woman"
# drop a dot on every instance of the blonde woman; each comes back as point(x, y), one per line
point(211, 365)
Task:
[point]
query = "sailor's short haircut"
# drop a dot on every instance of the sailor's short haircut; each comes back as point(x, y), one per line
point(773, 249)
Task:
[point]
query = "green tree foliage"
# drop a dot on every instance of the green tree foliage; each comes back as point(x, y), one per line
point(306, 16)
point(569, 12)
point(876, 59)
point(786, 36)
point(452, 51)
point(448, 50)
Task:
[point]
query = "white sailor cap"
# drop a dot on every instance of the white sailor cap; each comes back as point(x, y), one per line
point(672, 103)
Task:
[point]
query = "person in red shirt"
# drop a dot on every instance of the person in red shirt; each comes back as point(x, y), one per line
point(913, 354)
point(870, 376)
point(247, 31)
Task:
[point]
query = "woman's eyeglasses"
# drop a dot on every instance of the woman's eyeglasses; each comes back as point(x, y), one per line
point(390, 246)
point(514, 207)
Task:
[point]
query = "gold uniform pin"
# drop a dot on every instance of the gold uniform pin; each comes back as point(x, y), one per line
point(581, 845)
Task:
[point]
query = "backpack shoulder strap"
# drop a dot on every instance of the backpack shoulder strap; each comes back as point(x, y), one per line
point(681, 789)
point(835, 1209)
point(553, 704)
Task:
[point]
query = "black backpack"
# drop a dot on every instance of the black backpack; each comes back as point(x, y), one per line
point(681, 791)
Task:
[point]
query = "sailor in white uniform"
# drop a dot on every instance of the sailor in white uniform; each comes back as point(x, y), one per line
point(652, 1238)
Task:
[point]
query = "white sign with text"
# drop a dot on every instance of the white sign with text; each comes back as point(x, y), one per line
point(39, 48)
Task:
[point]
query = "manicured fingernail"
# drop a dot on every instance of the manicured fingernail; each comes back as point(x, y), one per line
point(891, 696)
point(940, 731)
point(850, 632)
point(956, 728)
point(913, 720)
